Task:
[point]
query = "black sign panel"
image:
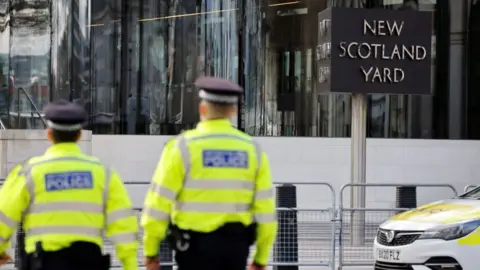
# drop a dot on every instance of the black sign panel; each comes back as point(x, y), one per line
point(374, 51)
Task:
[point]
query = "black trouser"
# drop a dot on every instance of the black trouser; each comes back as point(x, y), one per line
point(224, 249)
point(79, 256)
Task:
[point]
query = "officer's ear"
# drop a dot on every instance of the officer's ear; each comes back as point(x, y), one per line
point(79, 135)
point(233, 111)
point(202, 108)
point(50, 135)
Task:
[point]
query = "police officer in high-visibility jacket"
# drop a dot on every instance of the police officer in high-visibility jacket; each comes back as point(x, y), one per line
point(211, 194)
point(66, 200)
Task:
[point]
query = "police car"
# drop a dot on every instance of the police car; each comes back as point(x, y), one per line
point(443, 235)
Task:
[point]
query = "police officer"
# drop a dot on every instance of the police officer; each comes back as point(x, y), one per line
point(211, 194)
point(66, 200)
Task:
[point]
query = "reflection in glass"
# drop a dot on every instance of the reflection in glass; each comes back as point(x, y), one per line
point(61, 48)
point(280, 40)
point(29, 61)
point(104, 59)
point(144, 56)
point(79, 89)
point(5, 90)
point(132, 64)
point(473, 93)
point(147, 102)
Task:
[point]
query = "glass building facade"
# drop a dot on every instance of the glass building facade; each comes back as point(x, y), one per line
point(131, 64)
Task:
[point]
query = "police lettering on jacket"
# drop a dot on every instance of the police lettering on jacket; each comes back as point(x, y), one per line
point(68, 180)
point(225, 159)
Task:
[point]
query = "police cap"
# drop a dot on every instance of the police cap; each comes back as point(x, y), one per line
point(62, 115)
point(218, 90)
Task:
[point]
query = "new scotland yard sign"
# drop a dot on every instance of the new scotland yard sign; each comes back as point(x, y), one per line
point(374, 51)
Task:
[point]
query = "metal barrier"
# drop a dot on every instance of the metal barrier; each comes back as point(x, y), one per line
point(360, 227)
point(469, 188)
point(307, 237)
point(312, 241)
point(108, 247)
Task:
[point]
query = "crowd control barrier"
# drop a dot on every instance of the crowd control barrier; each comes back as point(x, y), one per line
point(320, 235)
point(358, 226)
point(306, 236)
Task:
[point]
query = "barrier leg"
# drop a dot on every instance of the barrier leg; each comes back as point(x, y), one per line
point(286, 247)
point(20, 254)
point(406, 197)
point(166, 255)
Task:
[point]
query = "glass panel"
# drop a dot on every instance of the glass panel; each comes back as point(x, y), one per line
point(80, 58)
point(61, 48)
point(279, 90)
point(132, 63)
point(138, 60)
point(5, 91)
point(473, 93)
point(126, 94)
point(29, 62)
point(105, 48)
point(179, 40)
point(281, 97)
point(149, 98)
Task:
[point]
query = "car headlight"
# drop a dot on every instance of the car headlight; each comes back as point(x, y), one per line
point(451, 231)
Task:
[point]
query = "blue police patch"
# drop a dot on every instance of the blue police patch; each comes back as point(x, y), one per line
point(225, 159)
point(68, 180)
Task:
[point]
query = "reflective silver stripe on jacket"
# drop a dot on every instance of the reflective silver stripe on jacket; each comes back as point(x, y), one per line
point(118, 215)
point(70, 206)
point(106, 188)
point(265, 217)
point(213, 207)
point(263, 194)
point(163, 191)
point(121, 238)
point(80, 230)
point(156, 214)
point(115, 215)
point(219, 184)
point(4, 240)
point(11, 223)
point(8, 221)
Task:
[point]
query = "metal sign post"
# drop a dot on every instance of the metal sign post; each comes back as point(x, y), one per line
point(358, 165)
point(375, 51)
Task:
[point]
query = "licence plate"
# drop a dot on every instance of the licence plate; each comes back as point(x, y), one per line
point(388, 255)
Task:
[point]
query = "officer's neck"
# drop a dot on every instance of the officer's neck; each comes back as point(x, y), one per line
point(213, 118)
point(64, 143)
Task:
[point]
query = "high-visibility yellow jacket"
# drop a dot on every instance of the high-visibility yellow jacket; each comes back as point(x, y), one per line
point(66, 196)
point(207, 177)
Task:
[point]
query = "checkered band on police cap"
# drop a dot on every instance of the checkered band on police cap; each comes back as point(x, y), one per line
point(65, 116)
point(218, 90)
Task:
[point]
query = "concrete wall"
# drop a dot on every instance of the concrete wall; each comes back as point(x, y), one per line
point(18, 145)
point(322, 160)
